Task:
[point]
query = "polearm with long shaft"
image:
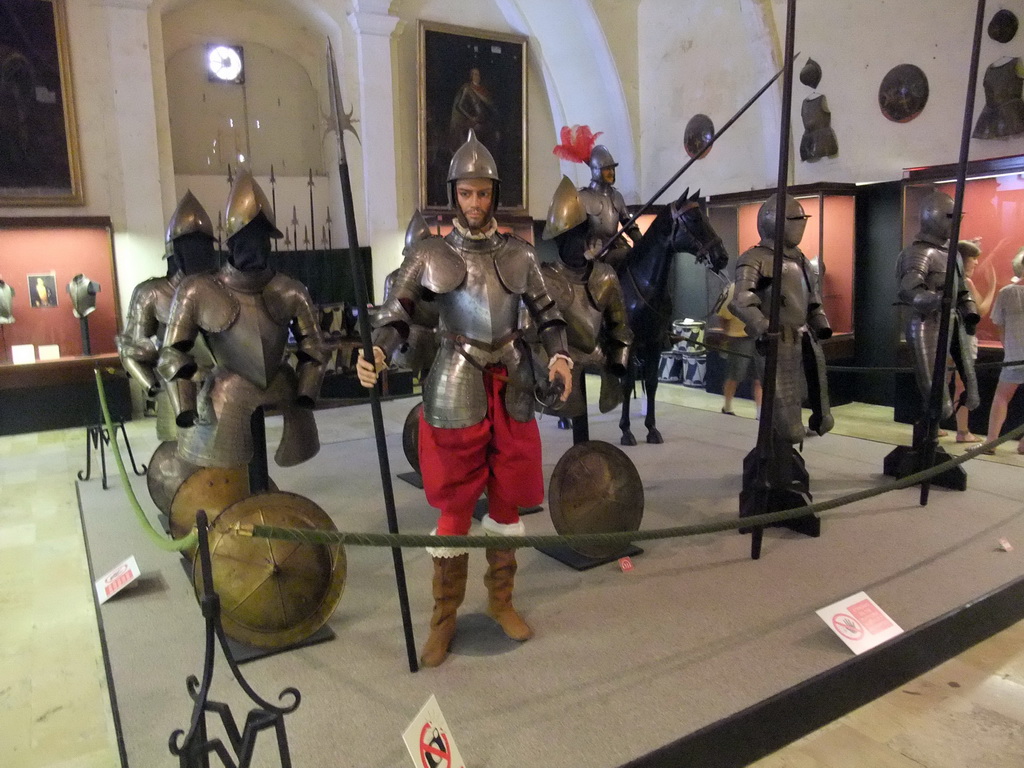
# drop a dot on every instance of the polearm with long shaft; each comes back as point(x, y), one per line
point(935, 397)
point(344, 123)
point(765, 437)
point(675, 177)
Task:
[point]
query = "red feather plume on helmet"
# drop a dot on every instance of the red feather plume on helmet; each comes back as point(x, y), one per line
point(577, 142)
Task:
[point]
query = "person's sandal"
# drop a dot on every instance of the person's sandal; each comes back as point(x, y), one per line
point(967, 438)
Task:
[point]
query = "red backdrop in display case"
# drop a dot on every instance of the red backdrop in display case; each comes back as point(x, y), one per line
point(994, 211)
point(63, 252)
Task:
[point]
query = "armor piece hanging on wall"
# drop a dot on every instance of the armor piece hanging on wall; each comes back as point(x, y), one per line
point(697, 135)
point(245, 312)
point(189, 251)
point(903, 93)
point(802, 320)
point(83, 292)
point(606, 208)
point(921, 276)
point(810, 73)
point(595, 488)
point(1003, 26)
point(589, 296)
point(1003, 113)
point(6, 298)
point(273, 593)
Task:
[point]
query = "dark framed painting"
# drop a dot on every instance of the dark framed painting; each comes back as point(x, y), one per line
point(39, 162)
point(42, 290)
point(470, 78)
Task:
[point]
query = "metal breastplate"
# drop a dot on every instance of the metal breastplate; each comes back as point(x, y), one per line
point(253, 346)
point(83, 303)
point(926, 258)
point(602, 215)
point(481, 307)
point(795, 295)
point(568, 287)
point(6, 294)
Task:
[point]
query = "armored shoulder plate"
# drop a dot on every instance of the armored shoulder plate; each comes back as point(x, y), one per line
point(513, 263)
point(559, 288)
point(285, 297)
point(603, 284)
point(759, 256)
point(214, 306)
point(443, 268)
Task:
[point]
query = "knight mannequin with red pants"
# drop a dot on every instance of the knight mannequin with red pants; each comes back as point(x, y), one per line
point(477, 431)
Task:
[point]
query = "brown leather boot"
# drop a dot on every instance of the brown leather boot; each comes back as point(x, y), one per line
point(449, 591)
point(500, 579)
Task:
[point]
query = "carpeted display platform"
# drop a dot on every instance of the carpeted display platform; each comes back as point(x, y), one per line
point(698, 656)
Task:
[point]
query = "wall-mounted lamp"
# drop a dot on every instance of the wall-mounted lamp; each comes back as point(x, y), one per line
point(225, 64)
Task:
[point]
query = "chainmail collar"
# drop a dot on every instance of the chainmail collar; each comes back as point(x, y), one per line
point(467, 234)
point(252, 281)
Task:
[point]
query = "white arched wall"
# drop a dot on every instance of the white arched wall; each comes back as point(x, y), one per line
point(581, 78)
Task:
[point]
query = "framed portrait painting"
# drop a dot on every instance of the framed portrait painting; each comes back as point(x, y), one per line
point(39, 162)
point(471, 79)
point(42, 290)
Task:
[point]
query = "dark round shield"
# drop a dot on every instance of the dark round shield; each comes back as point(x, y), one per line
point(697, 135)
point(595, 489)
point(165, 473)
point(810, 74)
point(411, 437)
point(1003, 26)
point(903, 93)
point(273, 593)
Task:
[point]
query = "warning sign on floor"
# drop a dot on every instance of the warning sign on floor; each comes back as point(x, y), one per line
point(429, 739)
point(859, 622)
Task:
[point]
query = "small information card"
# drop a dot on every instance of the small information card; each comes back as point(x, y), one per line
point(859, 622)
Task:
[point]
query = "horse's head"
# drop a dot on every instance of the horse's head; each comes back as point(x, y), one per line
point(693, 233)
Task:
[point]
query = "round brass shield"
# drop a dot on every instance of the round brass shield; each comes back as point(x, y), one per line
point(273, 593)
point(411, 437)
point(212, 489)
point(165, 473)
point(903, 93)
point(697, 135)
point(595, 489)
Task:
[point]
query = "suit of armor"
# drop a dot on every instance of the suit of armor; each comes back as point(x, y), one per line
point(244, 313)
point(802, 320)
point(819, 139)
point(606, 209)
point(921, 272)
point(589, 296)
point(189, 244)
point(1003, 113)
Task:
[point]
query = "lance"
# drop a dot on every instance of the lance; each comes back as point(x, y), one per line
point(312, 225)
point(231, 177)
point(643, 209)
point(343, 123)
point(305, 236)
point(765, 436)
point(273, 199)
point(330, 230)
point(934, 410)
point(295, 227)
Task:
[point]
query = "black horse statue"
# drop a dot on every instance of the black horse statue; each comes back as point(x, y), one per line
point(682, 228)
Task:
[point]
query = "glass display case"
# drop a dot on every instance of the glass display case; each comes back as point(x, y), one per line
point(59, 317)
point(828, 243)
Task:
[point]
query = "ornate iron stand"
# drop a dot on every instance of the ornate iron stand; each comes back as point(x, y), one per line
point(97, 438)
point(193, 751)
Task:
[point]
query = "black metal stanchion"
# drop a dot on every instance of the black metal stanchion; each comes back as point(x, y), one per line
point(193, 749)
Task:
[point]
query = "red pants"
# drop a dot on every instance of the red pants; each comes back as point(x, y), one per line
point(500, 454)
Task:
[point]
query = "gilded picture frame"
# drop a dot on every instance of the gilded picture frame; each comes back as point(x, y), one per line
point(471, 78)
point(39, 159)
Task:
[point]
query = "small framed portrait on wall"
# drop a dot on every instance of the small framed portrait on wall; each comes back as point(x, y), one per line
point(471, 79)
point(42, 290)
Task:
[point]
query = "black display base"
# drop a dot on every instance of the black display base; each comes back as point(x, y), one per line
point(412, 478)
point(165, 523)
point(580, 562)
point(481, 508)
point(531, 510)
point(785, 484)
point(904, 460)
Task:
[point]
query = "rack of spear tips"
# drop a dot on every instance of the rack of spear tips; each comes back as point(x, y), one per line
point(290, 229)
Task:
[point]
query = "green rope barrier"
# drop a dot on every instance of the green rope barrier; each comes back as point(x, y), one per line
point(155, 536)
point(618, 538)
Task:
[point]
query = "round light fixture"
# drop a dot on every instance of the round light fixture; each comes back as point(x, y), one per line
point(224, 63)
